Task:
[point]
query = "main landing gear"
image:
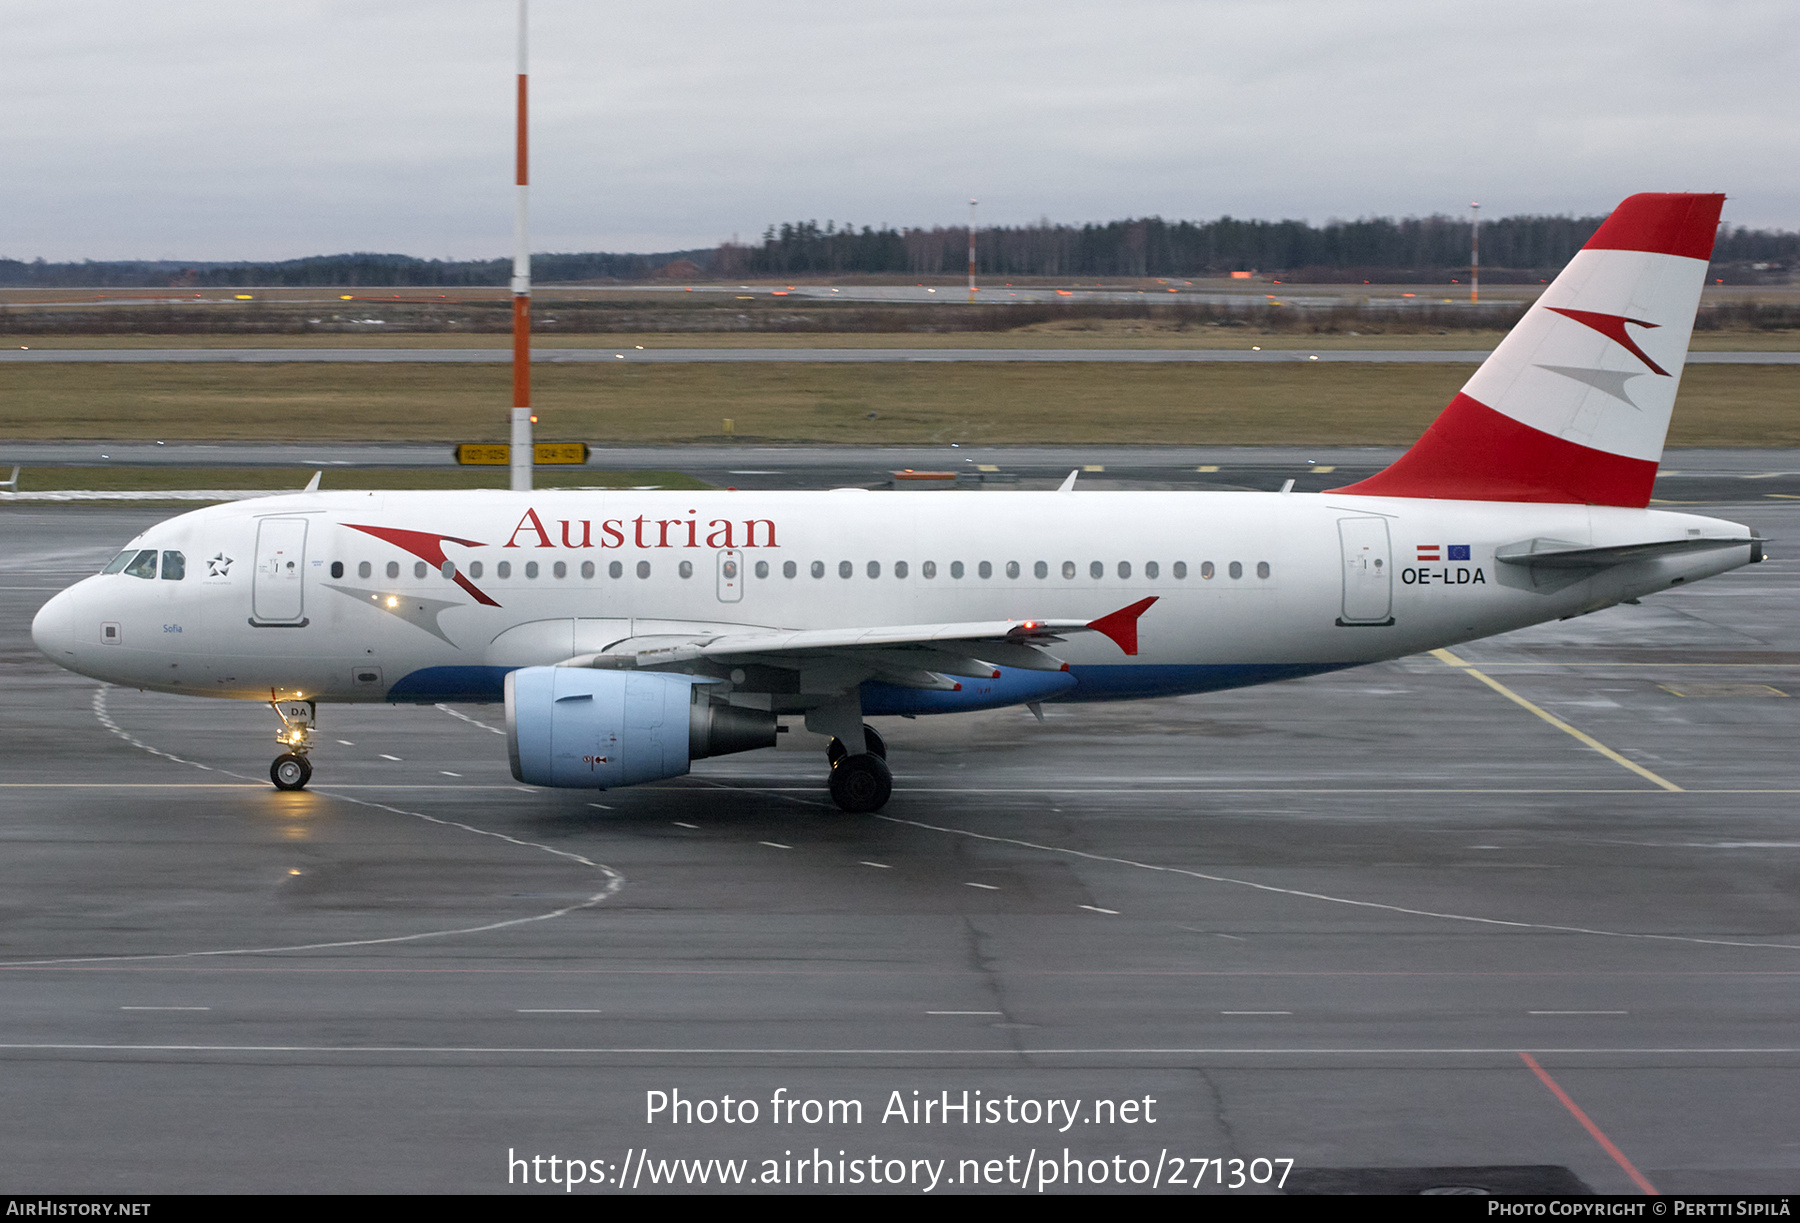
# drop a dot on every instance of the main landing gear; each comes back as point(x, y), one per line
point(292, 770)
point(860, 783)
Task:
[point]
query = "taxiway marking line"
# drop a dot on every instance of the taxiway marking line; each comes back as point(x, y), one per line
point(1090, 1051)
point(1606, 1144)
point(1587, 740)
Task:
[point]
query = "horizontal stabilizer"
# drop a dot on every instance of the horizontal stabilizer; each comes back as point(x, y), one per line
point(1556, 554)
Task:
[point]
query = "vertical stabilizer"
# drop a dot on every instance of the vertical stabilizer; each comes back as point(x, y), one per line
point(1574, 404)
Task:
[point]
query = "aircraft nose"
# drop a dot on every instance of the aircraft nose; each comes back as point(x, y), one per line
point(53, 628)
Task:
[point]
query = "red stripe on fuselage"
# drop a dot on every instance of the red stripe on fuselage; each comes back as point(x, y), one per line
point(1663, 223)
point(1473, 453)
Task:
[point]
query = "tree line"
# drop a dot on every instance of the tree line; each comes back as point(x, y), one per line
point(1428, 247)
point(1522, 248)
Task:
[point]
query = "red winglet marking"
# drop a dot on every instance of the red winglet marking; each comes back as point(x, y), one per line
point(1612, 326)
point(1121, 625)
point(428, 547)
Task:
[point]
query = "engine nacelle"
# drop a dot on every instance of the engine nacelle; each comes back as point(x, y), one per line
point(587, 729)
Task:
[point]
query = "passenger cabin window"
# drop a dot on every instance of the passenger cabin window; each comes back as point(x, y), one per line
point(587, 568)
point(474, 569)
point(364, 570)
point(337, 569)
point(615, 570)
point(900, 569)
point(503, 569)
point(393, 569)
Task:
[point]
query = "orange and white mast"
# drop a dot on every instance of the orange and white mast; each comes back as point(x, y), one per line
point(971, 250)
point(522, 419)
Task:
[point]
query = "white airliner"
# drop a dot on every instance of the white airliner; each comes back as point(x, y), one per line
point(630, 633)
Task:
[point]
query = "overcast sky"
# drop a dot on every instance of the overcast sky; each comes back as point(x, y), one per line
point(217, 129)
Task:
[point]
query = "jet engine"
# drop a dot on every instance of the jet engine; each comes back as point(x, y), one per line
point(587, 729)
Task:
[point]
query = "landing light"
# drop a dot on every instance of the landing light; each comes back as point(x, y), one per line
point(392, 601)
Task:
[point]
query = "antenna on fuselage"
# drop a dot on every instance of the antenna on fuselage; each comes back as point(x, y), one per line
point(521, 454)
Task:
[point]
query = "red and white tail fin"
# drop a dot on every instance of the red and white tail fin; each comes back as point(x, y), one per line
point(1574, 404)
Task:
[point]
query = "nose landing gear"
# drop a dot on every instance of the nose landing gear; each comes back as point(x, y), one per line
point(292, 770)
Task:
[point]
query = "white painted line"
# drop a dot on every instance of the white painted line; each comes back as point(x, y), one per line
point(448, 773)
point(879, 866)
point(677, 823)
point(774, 844)
point(965, 1012)
point(1578, 1012)
point(560, 1010)
point(1006, 1054)
point(165, 1008)
point(1256, 1012)
point(602, 806)
point(346, 743)
point(991, 887)
point(385, 756)
point(1098, 909)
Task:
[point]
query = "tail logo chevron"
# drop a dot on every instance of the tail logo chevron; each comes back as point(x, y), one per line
point(1612, 326)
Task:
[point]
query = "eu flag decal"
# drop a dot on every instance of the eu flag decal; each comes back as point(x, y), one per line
point(1459, 552)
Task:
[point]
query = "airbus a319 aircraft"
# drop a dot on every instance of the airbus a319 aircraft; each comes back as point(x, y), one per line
point(631, 633)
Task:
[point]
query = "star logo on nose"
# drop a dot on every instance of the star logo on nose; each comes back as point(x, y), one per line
point(218, 566)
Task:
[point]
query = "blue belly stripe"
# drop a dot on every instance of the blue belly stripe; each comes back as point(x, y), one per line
point(481, 685)
point(429, 685)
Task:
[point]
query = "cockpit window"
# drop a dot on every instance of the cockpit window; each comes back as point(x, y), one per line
point(120, 561)
point(143, 565)
point(174, 566)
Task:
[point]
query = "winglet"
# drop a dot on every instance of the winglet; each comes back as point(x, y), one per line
point(1068, 485)
point(312, 485)
point(1122, 626)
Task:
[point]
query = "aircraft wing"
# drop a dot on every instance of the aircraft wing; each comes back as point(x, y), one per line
point(912, 655)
